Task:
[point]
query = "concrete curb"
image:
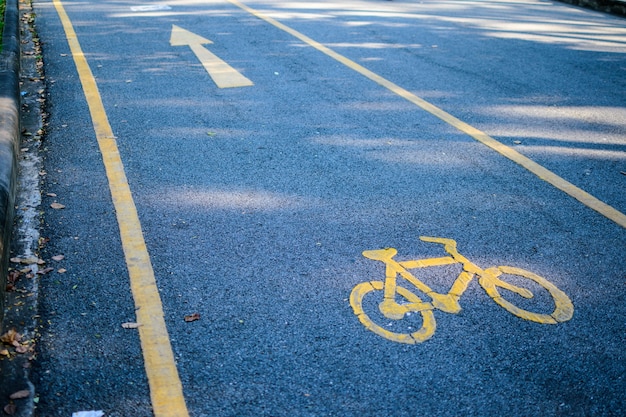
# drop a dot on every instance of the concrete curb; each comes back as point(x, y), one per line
point(9, 132)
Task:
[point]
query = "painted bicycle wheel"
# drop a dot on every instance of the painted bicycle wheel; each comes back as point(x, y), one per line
point(426, 326)
point(493, 281)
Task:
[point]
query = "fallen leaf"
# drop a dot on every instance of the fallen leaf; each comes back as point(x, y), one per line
point(45, 271)
point(57, 206)
point(62, 271)
point(51, 195)
point(21, 349)
point(11, 337)
point(10, 409)
point(192, 317)
point(58, 257)
point(13, 276)
point(28, 261)
point(130, 325)
point(16, 260)
point(20, 394)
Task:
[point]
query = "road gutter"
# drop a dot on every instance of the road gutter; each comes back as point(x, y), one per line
point(21, 234)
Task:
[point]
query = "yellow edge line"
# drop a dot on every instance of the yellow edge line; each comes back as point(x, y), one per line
point(543, 173)
point(165, 387)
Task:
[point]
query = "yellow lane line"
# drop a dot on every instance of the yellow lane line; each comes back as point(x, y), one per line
point(165, 387)
point(540, 171)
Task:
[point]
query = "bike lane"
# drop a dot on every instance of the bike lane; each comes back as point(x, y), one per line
point(256, 204)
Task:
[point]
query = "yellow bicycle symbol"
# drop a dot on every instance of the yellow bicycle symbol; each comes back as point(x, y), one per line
point(491, 279)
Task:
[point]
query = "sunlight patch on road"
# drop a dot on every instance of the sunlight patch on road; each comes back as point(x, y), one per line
point(239, 199)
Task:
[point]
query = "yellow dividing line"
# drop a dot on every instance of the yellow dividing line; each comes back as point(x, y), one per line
point(165, 387)
point(543, 173)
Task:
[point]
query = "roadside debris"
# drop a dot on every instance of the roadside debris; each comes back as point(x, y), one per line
point(13, 339)
point(192, 317)
point(10, 409)
point(20, 394)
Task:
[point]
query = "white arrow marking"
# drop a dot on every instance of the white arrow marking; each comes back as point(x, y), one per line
point(222, 74)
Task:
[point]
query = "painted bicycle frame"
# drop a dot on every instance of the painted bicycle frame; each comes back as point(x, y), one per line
point(489, 279)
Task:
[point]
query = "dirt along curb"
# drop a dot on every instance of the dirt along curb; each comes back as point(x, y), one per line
point(22, 98)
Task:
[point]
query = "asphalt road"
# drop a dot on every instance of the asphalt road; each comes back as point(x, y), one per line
point(257, 202)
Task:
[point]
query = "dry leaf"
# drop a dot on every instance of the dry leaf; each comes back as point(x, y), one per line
point(20, 394)
point(45, 271)
point(16, 260)
point(192, 317)
point(21, 349)
point(130, 325)
point(13, 276)
point(51, 195)
point(62, 271)
point(4, 352)
point(27, 261)
point(58, 257)
point(11, 337)
point(10, 409)
point(57, 206)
